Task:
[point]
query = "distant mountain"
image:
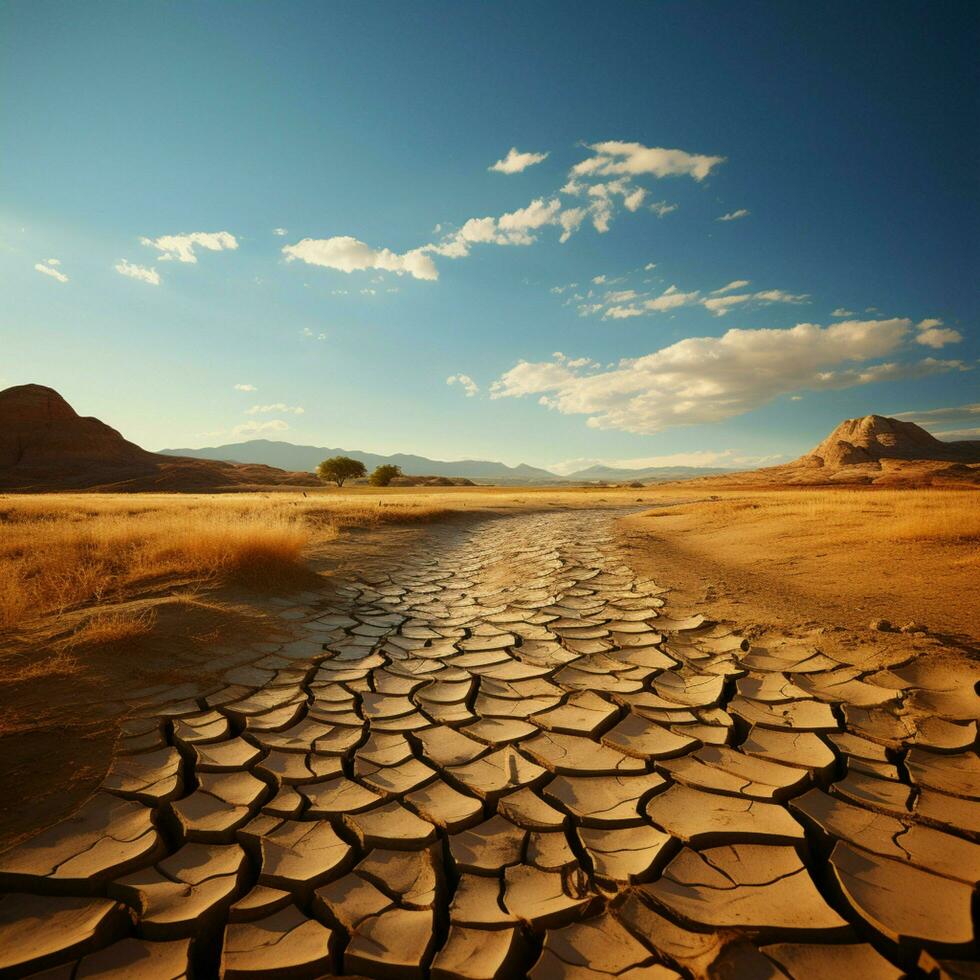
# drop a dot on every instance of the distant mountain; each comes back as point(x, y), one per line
point(651, 473)
point(45, 445)
point(290, 457)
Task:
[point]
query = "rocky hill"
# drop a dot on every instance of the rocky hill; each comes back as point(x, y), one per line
point(875, 450)
point(45, 445)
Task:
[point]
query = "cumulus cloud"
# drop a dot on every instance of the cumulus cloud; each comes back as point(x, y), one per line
point(47, 268)
point(518, 227)
point(734, 215)
point(840, 311)
point(465, 382)
point(615, 157)
point(619, 161)
point(347, 254)
point(938, 337)
point(140, 272)
point(515, 161)
point(933, 334)
point(279, 232)
point(181, 247)
point(253, 428)
point(245, 387)
point(708, 379)
point(275, 407)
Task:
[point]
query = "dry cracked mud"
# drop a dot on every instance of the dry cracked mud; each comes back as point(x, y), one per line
point(510, 756)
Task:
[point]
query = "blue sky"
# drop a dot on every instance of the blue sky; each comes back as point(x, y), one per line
point(184, 186)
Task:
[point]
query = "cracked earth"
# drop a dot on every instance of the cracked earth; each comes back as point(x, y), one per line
point(508, 756)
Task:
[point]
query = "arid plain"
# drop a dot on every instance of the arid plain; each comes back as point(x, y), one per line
point(669, 730)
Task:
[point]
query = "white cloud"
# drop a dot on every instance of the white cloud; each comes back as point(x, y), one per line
point(734, 284)
point(347, 254)
point(720, 305)
point(279, 232)
point(734, 215)
point(937, 337)
point(140, 272)
point(253, 428)
point(933, 334)
point(466, 382)
point(840, 311)
point(708, 379)
point(47, 267)
point(660, 208)
point(516, 161)
point(670, 299)
point(963, 419)
point(781, 296)
point(650, 266)
point(617, 157)
point(276, 407)
point(181, 247)
point(307, 332)
point(245, 387)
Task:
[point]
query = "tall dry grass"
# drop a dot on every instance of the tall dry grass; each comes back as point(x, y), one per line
point(64, 551)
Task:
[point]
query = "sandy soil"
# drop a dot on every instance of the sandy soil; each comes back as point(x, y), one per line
point(772, 569)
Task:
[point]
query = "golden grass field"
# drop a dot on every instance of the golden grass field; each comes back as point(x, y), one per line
point(64, 551)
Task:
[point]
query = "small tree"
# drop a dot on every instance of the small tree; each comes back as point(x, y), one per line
point(384, 474)
point(337, 469)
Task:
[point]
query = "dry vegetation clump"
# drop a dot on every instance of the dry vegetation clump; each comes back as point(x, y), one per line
point(64, 551)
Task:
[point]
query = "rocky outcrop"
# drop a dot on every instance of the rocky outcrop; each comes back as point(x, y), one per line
point(876, 437)
point(45, 445)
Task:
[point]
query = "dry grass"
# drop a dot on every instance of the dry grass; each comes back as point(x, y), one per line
point(67, 551)
point(937, 516)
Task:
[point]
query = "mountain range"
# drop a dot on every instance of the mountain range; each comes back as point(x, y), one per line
point(288, 456)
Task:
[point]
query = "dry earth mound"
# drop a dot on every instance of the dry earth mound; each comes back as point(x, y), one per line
point(45, 445)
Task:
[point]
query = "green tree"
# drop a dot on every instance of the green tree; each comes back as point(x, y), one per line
point(384, 474)
point(337, 469)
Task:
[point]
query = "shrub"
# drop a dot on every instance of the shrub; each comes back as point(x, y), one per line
point(384, 474)
point(338, 469)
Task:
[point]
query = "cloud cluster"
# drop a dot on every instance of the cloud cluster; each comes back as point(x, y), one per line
point(465, 382)
point(734, 215)
point(347, 254)
point(623, 304)
point(604, 182)
point(615, 157)
point(708, 379)
point(954, 422)
point(49, 267)
point(933, 334)
point(140, 272)
point(515, 161)
point(181, 247)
